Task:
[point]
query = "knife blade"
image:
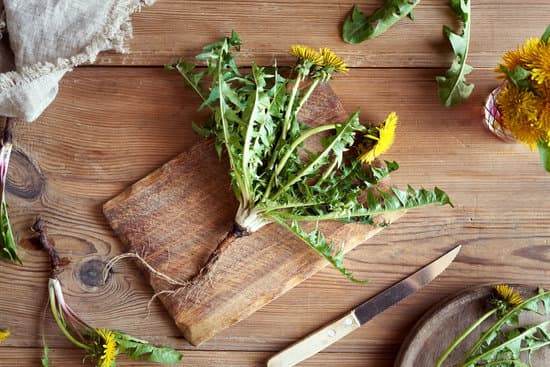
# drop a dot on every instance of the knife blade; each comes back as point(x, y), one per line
point(341, 327)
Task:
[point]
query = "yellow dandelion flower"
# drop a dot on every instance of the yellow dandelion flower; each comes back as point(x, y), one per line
point(384, 140)
point(331, 60)
point(530, 49)
point(508, 295)
point(520, 110)
point(109, 347)
point(540, 63)
point(4, 333)
point(306, 53)
point(511, 59)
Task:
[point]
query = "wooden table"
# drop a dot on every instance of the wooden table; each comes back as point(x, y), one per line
point(114, 122)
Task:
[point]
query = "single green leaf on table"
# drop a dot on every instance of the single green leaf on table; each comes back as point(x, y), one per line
point(358, 27)
point(141, 350)
point(453, 88)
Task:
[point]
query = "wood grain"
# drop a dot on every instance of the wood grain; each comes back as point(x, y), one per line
point(152, 218)
point(172, 29)
point(111, 126)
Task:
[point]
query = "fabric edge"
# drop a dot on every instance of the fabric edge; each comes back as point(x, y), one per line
point(117, 30)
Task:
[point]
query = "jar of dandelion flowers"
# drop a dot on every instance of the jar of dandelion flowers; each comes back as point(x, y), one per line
point(519, 109)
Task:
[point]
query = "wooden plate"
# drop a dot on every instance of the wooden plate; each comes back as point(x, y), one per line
point(446, 321)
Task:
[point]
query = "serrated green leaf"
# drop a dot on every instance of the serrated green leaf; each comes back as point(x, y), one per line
point(317, 241)
point(141, 350)
point(452, 87)
point(358, 27)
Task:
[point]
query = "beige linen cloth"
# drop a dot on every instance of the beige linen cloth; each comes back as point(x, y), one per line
point(44, 39)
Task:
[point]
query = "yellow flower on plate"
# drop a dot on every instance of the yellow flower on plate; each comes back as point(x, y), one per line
point(382, 142)
point(306, 53)
point(4, 333)
point(109, 348)
point(331, 60)
point(508, 295)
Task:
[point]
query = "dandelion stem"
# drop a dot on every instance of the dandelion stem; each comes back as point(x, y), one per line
point(306, 96)
point(463, 336)
point(289, 152)
point(57, 318)
point(290, 106)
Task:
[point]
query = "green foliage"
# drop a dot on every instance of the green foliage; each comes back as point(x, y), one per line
point(358, 27)
point(45, 361)
point(141, 350)
point(505, 341)
point(519, 76)
point(274, 176)
point(452, 88)
point(544, 153)
point(8, 249)
point(546, 35)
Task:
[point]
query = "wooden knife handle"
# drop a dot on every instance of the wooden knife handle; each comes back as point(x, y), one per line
point(315, 342)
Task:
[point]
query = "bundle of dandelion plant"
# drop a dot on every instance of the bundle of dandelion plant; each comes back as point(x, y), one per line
point(102, 346)
point(505, 343)
point(274, 177)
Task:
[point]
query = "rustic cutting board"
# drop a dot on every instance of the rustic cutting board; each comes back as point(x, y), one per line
point(437, 329)
point(175, 217)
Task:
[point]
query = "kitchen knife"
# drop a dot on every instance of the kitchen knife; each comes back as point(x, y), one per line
point(336, 330)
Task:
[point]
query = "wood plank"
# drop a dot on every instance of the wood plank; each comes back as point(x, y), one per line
point(109, 127)
point(172, 29)
point(152, 218)
point(72, 357)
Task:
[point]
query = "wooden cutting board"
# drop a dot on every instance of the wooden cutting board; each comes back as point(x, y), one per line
point(441, 325)
point(175, 217)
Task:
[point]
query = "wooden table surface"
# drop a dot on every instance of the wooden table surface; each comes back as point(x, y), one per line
point(115, 121)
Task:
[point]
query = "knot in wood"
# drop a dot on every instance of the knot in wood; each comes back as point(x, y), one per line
point(91, 272)
point(24, 178)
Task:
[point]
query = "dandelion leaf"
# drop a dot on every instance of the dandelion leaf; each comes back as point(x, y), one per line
point(452, 87)
point(358, 27)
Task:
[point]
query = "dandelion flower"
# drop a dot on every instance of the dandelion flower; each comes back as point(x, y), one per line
point(511, 60)
point(507, 294)
point(306, 53)
point(520, 110)
point(382, 142)
point(540, 63)
point(331, 60)
point(530, 50)
point(4, 333)
point(109, 347)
